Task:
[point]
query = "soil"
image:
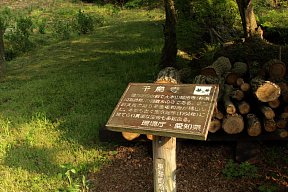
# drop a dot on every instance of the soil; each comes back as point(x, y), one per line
point(199, 168)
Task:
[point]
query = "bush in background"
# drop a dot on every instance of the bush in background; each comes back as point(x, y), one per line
point(85, 23)
point(62, 29)
point(196, 19)
point(19, 37)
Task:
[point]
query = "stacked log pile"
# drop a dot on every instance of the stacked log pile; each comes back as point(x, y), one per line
point(252, 98)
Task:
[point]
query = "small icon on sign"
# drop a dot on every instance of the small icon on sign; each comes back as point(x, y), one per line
point(174, 89)
point(202, 90)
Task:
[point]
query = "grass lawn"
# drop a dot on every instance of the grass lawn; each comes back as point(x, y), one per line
point(55, 97)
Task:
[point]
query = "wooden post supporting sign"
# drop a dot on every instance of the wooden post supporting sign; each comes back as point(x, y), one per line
point(164, 148)
point(164, 163)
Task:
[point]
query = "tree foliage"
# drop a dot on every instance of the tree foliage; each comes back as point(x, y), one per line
point(198, 18)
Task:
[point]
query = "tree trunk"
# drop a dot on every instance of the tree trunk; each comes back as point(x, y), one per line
point(2, 56)
point(169, 51)
point(248, 19)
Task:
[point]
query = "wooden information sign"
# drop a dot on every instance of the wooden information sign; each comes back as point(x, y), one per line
point(171, 110)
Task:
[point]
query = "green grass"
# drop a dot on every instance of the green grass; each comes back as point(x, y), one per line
point(55, 98)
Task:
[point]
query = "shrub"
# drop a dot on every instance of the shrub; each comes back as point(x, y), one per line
point(134, 4)
point(267, 188)
point(62, 29)
point(112, 9)
point(19, 37)
point(5, 17)
point(84, 22)
point(24, 25)
point(41, 24)
point(234, 170)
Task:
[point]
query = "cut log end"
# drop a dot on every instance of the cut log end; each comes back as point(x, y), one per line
point(233, 124)
point(274, 104)
point(276, 69)
point(253, 125)
point(230, 109)
point(218, 114)
point(130, 136)
point(245, 87)
point(150, 137)
point(237, 94)
point(208, 71)
point(243, 107)
point(217, 68)
point(282, 133)
point(267, 112)
point(215, 125)
point(268, 92)
point(281, 123)
point(270, 125)
point(168, 75)
point(279, 70)
point(231, 78)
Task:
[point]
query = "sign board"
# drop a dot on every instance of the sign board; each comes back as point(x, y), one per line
point(171, 110)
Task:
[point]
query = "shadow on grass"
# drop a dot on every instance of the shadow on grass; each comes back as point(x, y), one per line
point(32, 159)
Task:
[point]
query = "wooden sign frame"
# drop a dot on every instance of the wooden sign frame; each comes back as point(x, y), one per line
point(171, 110)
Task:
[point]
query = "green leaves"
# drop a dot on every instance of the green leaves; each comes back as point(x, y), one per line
point(235, 170)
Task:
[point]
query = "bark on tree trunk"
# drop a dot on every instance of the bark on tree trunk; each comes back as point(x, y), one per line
point(2, 57)
point(248, 19)
point(169, 51)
